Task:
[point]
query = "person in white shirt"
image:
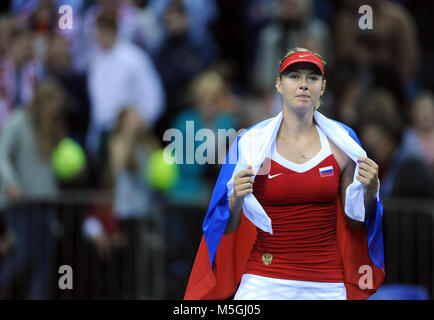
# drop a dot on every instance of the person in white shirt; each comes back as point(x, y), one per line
point(120, 74)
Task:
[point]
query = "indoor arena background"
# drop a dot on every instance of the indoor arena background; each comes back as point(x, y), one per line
point(89, 91)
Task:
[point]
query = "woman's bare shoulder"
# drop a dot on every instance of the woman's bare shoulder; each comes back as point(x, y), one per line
point(341, 157)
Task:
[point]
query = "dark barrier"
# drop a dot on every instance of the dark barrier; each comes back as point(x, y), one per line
point(409, 242)
point(52, 259)
point(153, 256)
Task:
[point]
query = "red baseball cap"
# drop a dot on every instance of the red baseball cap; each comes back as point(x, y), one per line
point(302, 57)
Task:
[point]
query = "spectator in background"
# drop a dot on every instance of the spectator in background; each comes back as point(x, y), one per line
point(7, 26)
point(26, 144)
point(201, 14)
point(19, 7)
point(209, 96)
point(19, 72)
point(149, 34)
point(42, 22)
point(421, 11)
point(130, 145)
point(42, 16)
point(120, 74)
point(294, 26)
point(402, 173)
point(131, 19)
point(57, 64)
point(419, 137)
point(392, 43)
point(256, 15)
point(181, 58)
point(348, 93)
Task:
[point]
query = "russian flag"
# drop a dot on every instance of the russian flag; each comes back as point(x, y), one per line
point(221, 259)
point(326, 171)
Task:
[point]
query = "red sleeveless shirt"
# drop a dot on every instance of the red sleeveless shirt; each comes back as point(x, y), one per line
point(302, 207)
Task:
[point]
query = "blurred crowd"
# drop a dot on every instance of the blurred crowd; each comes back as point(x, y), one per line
point(128, 70)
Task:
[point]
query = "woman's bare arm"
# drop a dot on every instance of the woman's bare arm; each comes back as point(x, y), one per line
point(368, 175)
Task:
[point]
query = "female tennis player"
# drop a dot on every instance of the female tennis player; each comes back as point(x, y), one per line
point(301, 246)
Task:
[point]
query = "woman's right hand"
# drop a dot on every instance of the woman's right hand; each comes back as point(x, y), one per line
point(243, 185)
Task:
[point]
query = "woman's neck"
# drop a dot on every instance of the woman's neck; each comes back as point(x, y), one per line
point(296, 124)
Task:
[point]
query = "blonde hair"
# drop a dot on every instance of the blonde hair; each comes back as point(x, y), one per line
point(291, 51)
point(209, 82)
point(48, 131)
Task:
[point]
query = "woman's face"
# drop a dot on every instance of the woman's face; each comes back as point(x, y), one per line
point(301, 87)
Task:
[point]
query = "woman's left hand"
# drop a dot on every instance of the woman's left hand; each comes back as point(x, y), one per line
point(368, 176)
